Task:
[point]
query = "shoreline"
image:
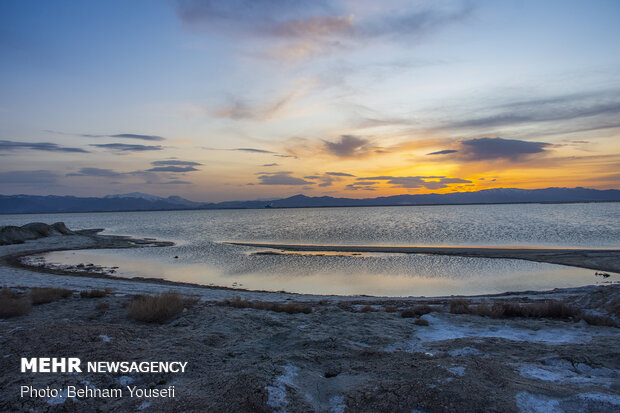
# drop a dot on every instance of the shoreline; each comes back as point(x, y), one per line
point(311, 207)
point(345, 353)
point(594, 259)
point(91, 239)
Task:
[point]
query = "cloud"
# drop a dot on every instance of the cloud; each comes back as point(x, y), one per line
point(37, 146)
point(481, 149)
point(177, 182)
point(328, 178)
point(410, 182)
point(119, 135)
point(444, 152)
point(313, 27)
point(108, 173)
point(271, 164)
point(175, 162)
point(281, 178)
point(363, 186)
point(122, 147)
point(297, 30)
point(134, 136)
point(348, 146)
point(252, 15)
point(338, 174)
point(172, 168)
point(238, 109)
point(28, 177)
point(586, 110)
point(252, 150)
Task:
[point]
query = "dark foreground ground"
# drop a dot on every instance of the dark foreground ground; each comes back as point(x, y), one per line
point(341, 357)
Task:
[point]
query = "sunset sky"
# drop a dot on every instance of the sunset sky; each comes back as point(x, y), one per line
point(252, 99)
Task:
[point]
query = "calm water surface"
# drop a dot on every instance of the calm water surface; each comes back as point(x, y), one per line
point(205, 259)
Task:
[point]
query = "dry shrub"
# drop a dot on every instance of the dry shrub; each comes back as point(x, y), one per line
point(12, 304)
point(542, 309)
point(598, 320)
point(345, 305)
point(158, 308)
point(416, 311)
point(44, 295)
point(102, 307)
point(367, 309)
point(421, 322)
point(94, 293)
point(390, 309)
point(551, 309)
point(290, 308)
point(324, 302)
point(459, 306)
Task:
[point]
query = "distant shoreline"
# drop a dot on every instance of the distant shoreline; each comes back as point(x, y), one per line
point(315, 207)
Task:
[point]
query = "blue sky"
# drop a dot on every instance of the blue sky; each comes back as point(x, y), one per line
point(220, 100)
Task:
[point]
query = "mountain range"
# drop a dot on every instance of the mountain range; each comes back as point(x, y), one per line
point(136, 201)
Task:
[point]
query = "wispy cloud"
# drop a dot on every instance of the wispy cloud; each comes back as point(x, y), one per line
point(239, 109)
point(123, 147)
point(444, 152)
point(172, 168)
point(297, 30)
point(108, 173)
point(175, 162)
point(338, 174)
point(251, 150)
point(37, 146)
point(584, 110)
point(118, 135)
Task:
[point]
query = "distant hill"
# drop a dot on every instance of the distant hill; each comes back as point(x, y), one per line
point(15, 204)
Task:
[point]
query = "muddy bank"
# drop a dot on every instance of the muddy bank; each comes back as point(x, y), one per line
point(595, 259)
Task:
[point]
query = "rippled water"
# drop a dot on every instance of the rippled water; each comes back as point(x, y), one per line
point(205, 259)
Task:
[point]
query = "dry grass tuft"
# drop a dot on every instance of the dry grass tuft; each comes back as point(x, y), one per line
point(367, 309)
point(543, 309)
point(289, 308)
point(44, 295)
point(390, 309)
point(102, 307)
point(12, 304)
point(598, 320)
point(421, 322)
point(94, 293)
point(416, 311)
point(459, 306)
point(158, 308)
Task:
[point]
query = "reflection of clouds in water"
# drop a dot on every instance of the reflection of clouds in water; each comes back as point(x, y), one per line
point(372, 274)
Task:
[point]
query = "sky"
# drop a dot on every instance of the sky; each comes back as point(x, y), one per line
point(220, 100)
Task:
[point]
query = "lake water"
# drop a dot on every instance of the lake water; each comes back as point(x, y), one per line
point(204, 257)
